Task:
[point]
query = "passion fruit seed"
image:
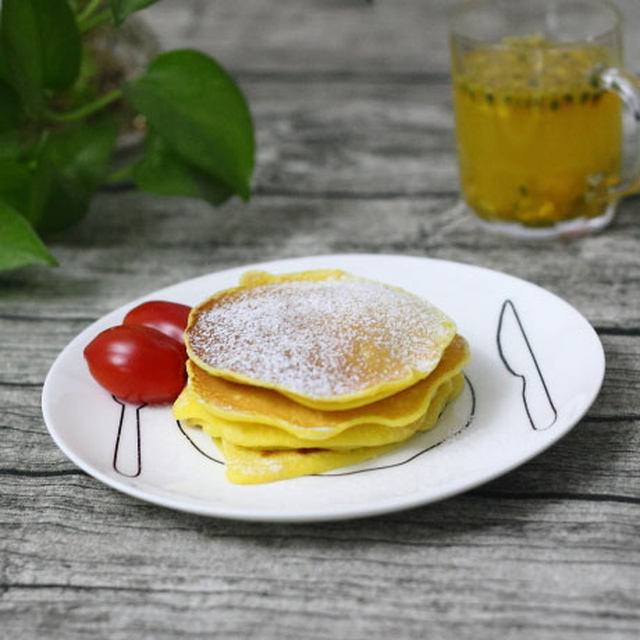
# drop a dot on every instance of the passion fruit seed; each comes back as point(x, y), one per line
point(526, 100)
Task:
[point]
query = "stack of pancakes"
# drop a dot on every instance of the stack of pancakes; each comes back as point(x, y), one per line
point(302, 373)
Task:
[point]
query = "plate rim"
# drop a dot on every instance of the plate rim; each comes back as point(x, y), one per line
point(390, 505)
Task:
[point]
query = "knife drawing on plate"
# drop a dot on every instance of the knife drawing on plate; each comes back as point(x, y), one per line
point(519, 358)
point(127, 458)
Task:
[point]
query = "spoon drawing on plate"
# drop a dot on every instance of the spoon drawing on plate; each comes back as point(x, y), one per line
point(127, 457)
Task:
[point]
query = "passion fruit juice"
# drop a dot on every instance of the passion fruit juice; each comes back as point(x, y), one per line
point(539, 141)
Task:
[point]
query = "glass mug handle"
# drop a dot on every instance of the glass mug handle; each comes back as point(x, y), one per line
point(627, 87)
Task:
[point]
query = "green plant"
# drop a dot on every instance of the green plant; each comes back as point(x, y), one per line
point(58, 129)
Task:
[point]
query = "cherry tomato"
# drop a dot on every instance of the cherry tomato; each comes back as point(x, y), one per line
point(137, 364)
point(168, 317)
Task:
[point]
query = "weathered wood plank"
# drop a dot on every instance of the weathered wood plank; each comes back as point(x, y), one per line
point(473, 566)
point(371, 138)
point(344, 36)
point(376, 174)
point(132, 244)
point(328, 181)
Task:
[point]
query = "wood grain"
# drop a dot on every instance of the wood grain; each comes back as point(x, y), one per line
point(356, 154)
point(404, 37)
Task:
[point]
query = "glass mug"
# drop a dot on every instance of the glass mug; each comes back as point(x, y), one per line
point(539, 97)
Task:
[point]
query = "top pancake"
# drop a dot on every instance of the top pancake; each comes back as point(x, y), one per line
point(323, 338)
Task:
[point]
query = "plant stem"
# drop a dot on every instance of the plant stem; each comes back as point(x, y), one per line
point(86, 109)
point(89, 10)
point(95, 21)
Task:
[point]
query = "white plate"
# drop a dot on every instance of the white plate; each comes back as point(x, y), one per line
point(536, 367)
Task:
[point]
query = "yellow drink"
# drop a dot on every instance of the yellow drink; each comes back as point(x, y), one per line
point(539, 142)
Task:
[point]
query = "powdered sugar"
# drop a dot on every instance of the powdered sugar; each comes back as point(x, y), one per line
point(320, 339)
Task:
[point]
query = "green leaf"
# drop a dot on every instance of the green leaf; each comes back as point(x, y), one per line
point(15, 184)
point(197, 108)
point(122, 9)
point(10, 107)
point(61, 43)
point(19, 243)
point(41, 45)
point(4, 69)
point(10, 146)
point(164, 172)
point(71, 166)
point(22, 51)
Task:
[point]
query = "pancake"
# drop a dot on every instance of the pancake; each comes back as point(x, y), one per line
point(260, 436)
point(252, 466)
point(301, 373)
point(209, 399)
point(324, 339)
point(257, 278)
point(245, 465)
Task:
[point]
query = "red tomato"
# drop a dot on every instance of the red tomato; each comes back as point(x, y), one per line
point(168, 317)
point(137, 364)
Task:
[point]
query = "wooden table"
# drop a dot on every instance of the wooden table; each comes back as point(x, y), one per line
point(355, 154)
